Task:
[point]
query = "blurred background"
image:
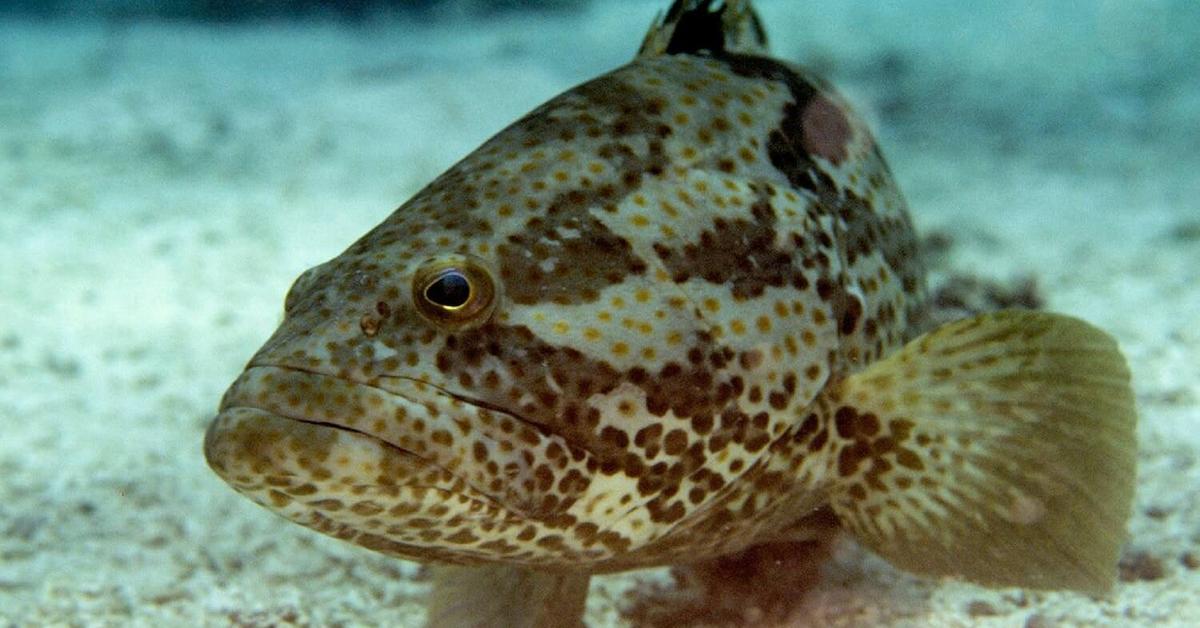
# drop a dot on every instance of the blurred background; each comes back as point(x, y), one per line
point(235, 11)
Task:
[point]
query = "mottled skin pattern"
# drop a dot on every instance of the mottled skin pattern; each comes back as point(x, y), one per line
point(671, 269)
point(686, 251)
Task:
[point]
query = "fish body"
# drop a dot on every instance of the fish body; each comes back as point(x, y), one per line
point(661, 318)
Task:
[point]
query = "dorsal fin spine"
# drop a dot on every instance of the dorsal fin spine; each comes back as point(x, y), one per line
point(708, 27)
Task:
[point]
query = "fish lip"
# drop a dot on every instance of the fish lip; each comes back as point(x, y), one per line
point(246, 401)
point(228, 451)
point(323, 424)
point(472, 401)
point(235, 398)
point(246, 393)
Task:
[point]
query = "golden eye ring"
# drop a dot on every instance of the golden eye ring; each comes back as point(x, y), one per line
point(454, 292)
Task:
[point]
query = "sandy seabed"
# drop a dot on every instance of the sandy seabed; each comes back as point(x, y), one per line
point(161, 185)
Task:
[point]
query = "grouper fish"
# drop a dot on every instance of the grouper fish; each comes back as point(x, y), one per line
point(669, 315)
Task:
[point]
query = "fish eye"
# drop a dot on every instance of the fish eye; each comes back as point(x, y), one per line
point(454, 292)
point(450, 290)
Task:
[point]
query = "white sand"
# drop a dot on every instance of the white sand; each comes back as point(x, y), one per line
point(161, 186)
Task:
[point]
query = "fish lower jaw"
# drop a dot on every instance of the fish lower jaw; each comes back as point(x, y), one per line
point(255, 449)
point(307, 436)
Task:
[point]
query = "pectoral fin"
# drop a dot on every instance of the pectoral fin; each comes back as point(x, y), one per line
point(999, 449)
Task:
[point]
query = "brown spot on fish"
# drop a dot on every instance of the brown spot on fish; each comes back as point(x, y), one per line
point(826, 131)
point(744, 254)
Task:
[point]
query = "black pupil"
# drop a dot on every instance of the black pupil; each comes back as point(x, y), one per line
point(450, 290)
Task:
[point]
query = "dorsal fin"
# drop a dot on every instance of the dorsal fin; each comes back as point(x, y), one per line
point(696, 27)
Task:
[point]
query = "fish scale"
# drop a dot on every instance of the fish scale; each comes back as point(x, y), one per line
point(659, 320)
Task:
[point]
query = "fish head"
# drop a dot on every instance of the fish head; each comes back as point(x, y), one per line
point(587, 343)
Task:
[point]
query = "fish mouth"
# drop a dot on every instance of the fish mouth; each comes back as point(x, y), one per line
point(348, 459)
point(397, 465)
point(280, 422)
point(323, 401)
point(283, 423)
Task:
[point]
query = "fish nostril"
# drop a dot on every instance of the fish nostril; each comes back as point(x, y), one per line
point(300, 288)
